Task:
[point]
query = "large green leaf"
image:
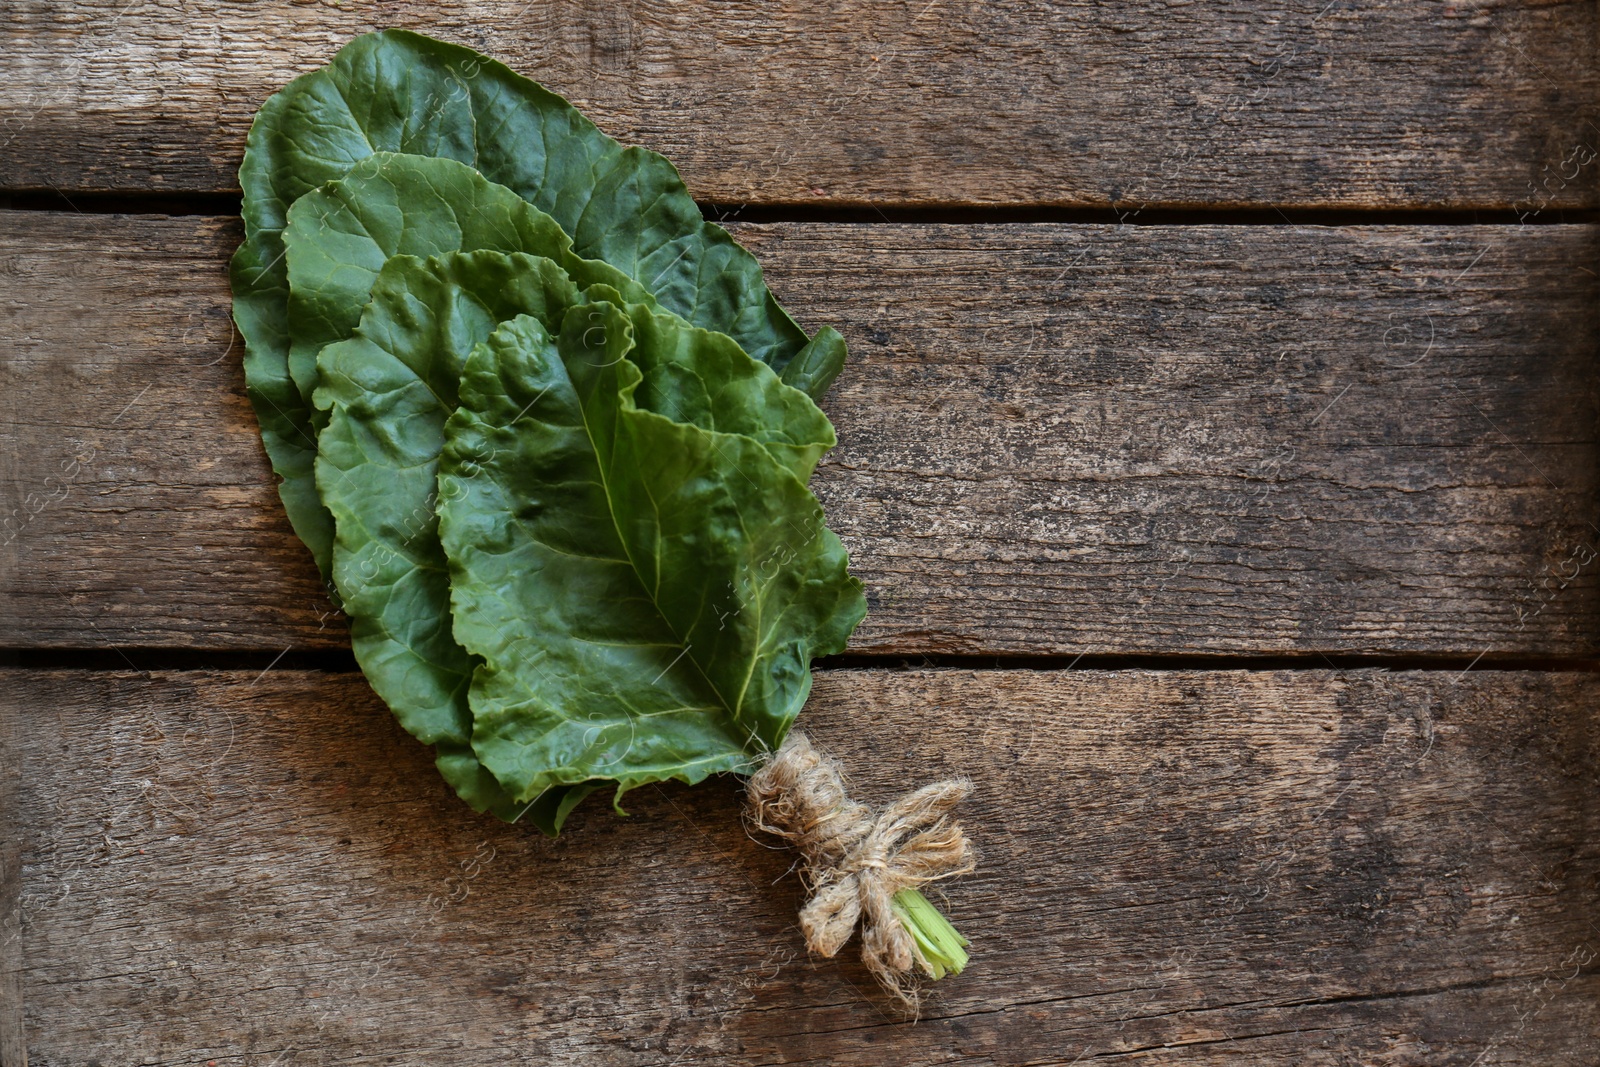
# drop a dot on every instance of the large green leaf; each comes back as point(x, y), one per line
point(646, 593)
point(401, 92)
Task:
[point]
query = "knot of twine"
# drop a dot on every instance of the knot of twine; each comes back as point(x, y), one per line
point(855, 859)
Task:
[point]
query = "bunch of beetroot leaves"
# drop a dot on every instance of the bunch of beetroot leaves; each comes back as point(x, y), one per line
point(544, 429)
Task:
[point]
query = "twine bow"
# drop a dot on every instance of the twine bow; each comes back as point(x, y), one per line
point(855, 861)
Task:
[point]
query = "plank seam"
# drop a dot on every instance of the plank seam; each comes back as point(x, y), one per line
point(869, 213)
point(337, 661)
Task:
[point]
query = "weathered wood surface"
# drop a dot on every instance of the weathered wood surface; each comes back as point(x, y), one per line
point(12, 1048)
point(1309, 867)
point(1054, 439)
point(1067, 102)
point(11, 479)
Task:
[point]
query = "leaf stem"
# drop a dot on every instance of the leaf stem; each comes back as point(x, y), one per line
point(943, 948)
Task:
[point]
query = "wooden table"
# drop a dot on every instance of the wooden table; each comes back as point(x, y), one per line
point(1218, 449)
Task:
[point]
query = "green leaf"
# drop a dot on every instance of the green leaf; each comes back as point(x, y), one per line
point(814, 367)
point(398, 91)
point(646, 593)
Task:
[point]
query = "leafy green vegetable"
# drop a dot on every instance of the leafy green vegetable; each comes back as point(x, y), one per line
point(386, 393)
point(336, 241)
point(646, 593)
point(548, 433)
point(397, 91)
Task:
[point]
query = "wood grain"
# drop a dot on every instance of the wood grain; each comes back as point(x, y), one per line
point(1059, 102)
point(12, 1045)
point(1054, 439)
point(1309, 867)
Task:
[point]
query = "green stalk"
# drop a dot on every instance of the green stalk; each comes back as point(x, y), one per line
point(942, 947)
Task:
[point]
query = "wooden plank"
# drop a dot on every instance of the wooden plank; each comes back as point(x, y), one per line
point(1241, 102)
point(13, 1051)
point(1054, 439)
point(1197, 867)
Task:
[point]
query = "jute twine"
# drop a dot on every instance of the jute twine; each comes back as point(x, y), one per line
point(855, 859)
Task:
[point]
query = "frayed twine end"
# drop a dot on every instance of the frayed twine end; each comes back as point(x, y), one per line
point(856, 859)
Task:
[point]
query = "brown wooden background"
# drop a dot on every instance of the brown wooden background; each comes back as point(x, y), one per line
point(1218, 447)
